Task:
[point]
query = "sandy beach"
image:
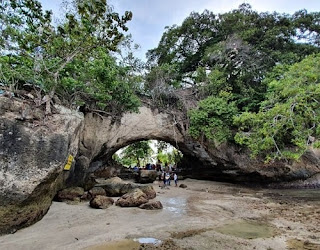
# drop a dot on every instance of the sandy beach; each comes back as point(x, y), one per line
point(205, 215)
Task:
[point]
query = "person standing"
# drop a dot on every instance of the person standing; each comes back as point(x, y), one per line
point(175, 178)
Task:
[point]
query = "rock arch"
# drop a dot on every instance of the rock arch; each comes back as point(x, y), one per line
point(102, 137)
point(34, 150)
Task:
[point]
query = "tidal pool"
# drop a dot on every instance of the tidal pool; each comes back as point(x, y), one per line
point(129, 244)
point(247, 229)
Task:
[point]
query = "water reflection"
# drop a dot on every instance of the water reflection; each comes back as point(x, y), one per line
point(148, 241)
point(175, 205)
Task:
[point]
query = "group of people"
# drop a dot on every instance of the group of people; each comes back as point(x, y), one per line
point(166, 173)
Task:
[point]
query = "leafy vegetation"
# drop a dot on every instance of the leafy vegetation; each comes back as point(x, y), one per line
point(71, 59)
point(138, 153)
point(245, 71)
point(253, 77)
point(288, 121)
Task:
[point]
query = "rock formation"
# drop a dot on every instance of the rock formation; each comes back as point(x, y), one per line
point(34, 149)
point(134, 198)
point(101, 202)
point(151, 205)
point(33, 152)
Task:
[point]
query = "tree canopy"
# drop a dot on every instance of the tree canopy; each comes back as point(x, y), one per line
point(138, 153)
point(70, 59)
point(254, 76)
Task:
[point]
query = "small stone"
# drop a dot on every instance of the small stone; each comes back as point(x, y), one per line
point(183, 186)
point(151, 205)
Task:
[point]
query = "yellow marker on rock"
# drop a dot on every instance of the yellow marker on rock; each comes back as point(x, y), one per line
point(69, 163)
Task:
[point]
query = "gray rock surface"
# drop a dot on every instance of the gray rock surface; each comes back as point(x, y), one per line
point(33, 152)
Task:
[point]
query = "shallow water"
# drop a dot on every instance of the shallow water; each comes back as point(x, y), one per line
point(130, 244)
point(247, 229)
point(117, 245)
point(176, 205)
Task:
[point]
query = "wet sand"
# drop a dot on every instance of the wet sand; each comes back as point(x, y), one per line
point(206, 215)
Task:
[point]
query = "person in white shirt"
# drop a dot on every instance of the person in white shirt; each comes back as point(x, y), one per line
point(175, 178)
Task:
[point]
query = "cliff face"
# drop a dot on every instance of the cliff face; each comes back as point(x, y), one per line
point(33, 152)
point(227, 162)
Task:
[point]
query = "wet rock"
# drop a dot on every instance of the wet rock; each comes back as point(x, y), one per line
point(97, 191)
point(147, 176)
point(70, 194)
point(183, 186)
point(101, 202)
point(151, 205)
point(132, 199)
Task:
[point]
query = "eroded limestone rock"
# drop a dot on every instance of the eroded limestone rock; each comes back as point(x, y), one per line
point(33, 151)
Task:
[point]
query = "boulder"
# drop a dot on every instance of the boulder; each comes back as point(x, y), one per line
point(97, 191)
point(148, 190)
point(70, 194)
point(132, 199)
point(183, 185)
point(34, 149)
point(85, 197)
point(101, 202)
point(116, 187)
point(151, 205)
point(147, 176)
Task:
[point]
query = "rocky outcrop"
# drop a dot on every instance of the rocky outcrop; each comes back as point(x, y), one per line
point(228, 162)
point(134, 198)
point(101, 202)
point(116, 187)
point(151, 205)
point(103, 136)
point(33, 151)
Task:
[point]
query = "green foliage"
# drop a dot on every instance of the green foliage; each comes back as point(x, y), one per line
point(288, 121)
point(68, 58)
point(136, 153)
point(212, 119)
point(170, 157)
point(243, 45)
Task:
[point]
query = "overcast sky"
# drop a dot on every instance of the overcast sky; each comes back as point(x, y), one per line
point(151, 16)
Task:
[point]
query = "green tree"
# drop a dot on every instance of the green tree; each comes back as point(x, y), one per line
point(38, 53)
point(138, 153)
point(288, 121)
point(242, 44)
point(212, 119)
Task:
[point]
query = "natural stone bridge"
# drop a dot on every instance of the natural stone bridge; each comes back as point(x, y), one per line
point(34, 150)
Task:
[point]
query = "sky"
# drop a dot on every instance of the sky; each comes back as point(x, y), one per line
point(150, 17)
